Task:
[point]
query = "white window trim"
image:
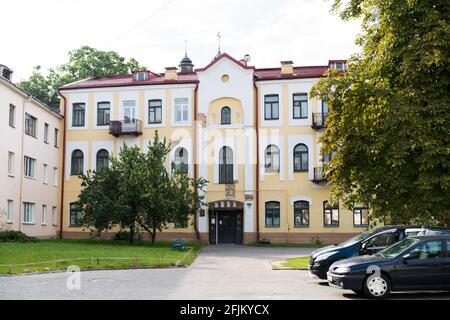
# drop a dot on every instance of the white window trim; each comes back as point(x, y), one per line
point(11, 158)
point(55, 176)
point(45, 167)
point(44, 215)
point(31, 213)
point(183, 123)
point(9, 210)
point(54, 216)
point(70, 114)
point(33, 161)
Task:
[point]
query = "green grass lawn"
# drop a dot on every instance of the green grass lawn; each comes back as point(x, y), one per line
point(96, 254)
point(297, 263)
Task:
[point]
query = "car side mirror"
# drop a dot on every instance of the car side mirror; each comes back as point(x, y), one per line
point(409, 256)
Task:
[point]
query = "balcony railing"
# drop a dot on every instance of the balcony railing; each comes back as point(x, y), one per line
point(319, 176)
point(318, 120)
point(131, 127)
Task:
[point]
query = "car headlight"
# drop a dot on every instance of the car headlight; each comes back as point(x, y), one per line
point(342, 270)
point(324, 256)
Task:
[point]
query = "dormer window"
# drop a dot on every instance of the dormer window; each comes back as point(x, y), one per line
point(141, 75)
point(339, 66)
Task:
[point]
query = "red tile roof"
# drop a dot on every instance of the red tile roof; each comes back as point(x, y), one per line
point(299, 73)
point(184, 78)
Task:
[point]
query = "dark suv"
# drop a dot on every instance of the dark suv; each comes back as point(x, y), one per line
point(368, 242)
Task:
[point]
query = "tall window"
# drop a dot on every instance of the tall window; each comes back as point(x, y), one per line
point(46, 132)
point(301, 161)
point(44, 215)
point(12, 115)
point(154, 111)
point(103, 113)
point(226, 165)
point(180, 163)
point(181, 110)
point(29, 167)
point(77, 162)
point(324, 107)
point(30, 125)
point(129, 111)
point(28, 212)
point(301, 213)
point(54, 216)
point(330, 214)
point(75, 215)
point(272, 214)
point(271, 107)
point(360, 217)
point(10, 163)
point(9, 210)
point(272, 159)
point(55, 176)
point(102, 159)
point(300, 105)
point(45, 173)
point(56, 138)
point(78, 114)
point(225, 115)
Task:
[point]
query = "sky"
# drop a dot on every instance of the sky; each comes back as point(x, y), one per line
point(154, 31)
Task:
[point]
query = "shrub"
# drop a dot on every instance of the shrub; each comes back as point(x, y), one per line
point(15, 236)
point(124, 235)
point(264, 241)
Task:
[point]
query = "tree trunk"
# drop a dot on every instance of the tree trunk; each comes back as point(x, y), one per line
point(154, 235)
point(131, 239)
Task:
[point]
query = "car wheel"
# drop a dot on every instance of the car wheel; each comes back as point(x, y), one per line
point(377, 286)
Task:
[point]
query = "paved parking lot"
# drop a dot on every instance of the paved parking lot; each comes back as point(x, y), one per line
point(220, 272)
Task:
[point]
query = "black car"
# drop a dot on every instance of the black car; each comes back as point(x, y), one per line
point(415, 263)
point(368, 242)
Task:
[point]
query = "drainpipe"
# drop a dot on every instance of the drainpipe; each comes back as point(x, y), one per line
point(257, 158)
point(197, 233)
point(63, 169)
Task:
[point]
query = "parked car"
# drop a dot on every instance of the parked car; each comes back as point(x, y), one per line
point(368, 242)
point(415, 263)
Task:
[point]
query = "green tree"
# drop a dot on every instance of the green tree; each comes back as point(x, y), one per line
point(83, 63)
point(389, 118)
point(137, 191)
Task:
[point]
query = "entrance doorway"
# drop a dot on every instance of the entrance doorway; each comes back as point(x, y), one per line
point(226, 225)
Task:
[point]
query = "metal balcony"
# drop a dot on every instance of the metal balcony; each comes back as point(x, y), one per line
point(319, 176)
point(129, 127)
point(318, 120)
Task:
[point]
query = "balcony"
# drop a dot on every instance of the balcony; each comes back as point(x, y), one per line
point(119, 128)
point(318, 120)
point(319, 176)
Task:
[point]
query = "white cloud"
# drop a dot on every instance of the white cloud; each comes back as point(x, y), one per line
point(42, 32)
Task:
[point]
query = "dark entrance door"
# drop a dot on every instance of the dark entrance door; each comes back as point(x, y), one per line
point(225, 226)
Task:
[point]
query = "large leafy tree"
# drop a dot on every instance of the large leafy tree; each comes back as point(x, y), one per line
point(389, 119)
point(83, 62)
point(138, 192)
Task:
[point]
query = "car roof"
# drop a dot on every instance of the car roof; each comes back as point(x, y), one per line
point(431, 237)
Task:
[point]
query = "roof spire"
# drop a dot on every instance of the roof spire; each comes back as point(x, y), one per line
point(186, 64)
point(219, 37)
point(185, 48)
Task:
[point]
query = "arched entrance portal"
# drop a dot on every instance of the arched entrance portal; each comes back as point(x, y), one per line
point(226, 223)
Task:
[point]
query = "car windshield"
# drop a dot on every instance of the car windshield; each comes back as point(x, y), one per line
point(360, 237)
point(397, 248)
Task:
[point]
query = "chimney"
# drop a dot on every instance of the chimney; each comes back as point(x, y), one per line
point(287, 67)
point(171, 73)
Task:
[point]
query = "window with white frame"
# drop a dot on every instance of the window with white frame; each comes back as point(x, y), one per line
point(30, 125)
point(300, 106)
point(28, 212)
point(56, 138)
point(54, 216)
point(29, 167)
point(9, 210)
point(12, 115)
point(181, 110)
point(78, 114)
point(11, 163)
point(272, 159)
point(44, 215)
point(45, 174)
point(55, 176)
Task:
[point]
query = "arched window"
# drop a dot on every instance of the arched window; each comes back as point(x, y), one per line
point(301, 158)
point(301, 213)
point(330, 214)
point(225, 115)
point(102, 159)
point(181, 162)
point(272, 214)
point(272, 159)
point(226, 165)
point(77, 162)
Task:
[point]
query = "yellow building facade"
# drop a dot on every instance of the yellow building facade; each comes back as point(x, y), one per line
point(252, 133)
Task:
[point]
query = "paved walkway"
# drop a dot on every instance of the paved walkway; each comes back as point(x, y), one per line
point(220, 272)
